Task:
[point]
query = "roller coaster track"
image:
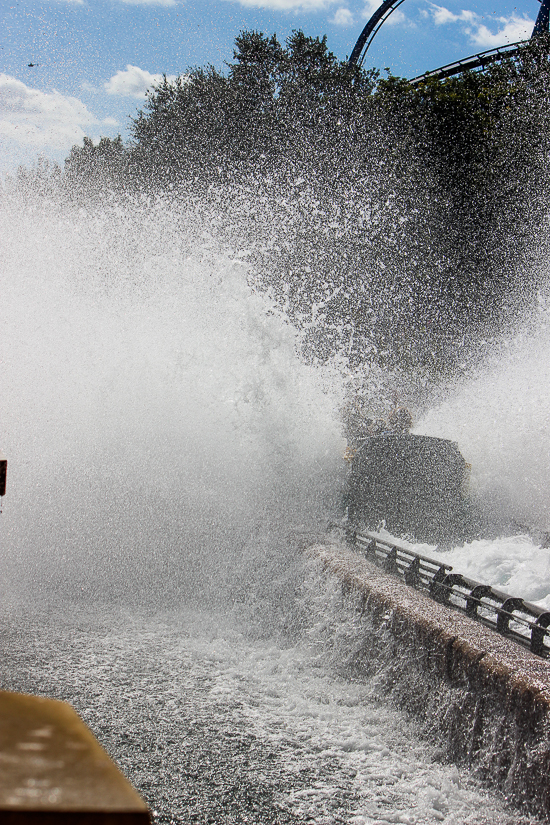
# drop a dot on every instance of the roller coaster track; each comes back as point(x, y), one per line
point(476, 61)
point(367, 35)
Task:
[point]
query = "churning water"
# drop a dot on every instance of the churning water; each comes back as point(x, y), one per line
point(164, 437)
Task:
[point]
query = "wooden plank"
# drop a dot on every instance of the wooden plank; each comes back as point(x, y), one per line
point(53, 770)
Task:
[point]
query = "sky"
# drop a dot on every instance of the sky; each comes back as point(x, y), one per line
point(71, 68)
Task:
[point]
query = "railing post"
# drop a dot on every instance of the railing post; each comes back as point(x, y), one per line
point(390, 564)
point(472, 600)
point(370, 552)
point(504, 614)
point(351, 536)
point(412, 573)
point(436, 582)
point(538, 632)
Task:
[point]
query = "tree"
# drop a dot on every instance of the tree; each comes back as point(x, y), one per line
point(44, 178)
point(274, 102)
point(95, 167)
point(391, 222)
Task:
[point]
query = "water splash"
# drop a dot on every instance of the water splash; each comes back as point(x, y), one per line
point(155, 412)
point(500, 417)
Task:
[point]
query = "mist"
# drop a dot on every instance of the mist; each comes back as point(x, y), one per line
point(161, 429)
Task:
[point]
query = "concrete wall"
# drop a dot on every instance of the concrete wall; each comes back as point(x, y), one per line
point(487, 698)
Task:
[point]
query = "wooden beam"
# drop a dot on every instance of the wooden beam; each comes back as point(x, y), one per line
point(53, 770)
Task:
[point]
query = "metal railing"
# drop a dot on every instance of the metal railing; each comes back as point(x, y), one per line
point(475, 61)
point(510, 616)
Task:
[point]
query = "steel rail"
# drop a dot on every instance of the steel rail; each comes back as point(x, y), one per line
point(475, 61)
point(518, 620)
point(369, 32)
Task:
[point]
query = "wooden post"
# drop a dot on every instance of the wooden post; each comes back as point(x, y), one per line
point(3, 473)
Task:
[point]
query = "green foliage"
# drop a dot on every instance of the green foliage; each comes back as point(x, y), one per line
point(275, 103)
point(182, 123)
point(96, 167)
point(485, 135)
point(44, 179)
point(392, 222)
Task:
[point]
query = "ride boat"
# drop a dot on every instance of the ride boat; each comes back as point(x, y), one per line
point(413, 485)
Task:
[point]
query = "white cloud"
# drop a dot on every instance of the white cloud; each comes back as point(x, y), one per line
point(369, 9)
point(150, 2)
point(41, 119)
point(133, 82)
point(343, 17)
point(512, 29)
point(441, 15)
point(394, 19)
point(288, 5)
point(509, 29)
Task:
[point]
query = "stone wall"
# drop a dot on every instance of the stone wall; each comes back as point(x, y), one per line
point(485, 697)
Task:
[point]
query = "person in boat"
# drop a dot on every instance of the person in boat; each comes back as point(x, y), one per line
point(360, 427)
point(400, 421)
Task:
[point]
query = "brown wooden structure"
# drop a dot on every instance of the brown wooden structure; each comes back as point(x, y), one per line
point(54, 772)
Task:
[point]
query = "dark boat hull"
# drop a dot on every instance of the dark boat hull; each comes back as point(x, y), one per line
point(416, 485)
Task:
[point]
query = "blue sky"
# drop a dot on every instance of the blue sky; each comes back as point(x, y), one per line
point(94, 59)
